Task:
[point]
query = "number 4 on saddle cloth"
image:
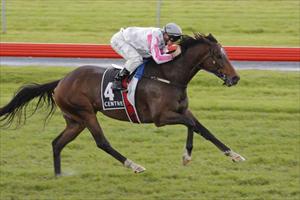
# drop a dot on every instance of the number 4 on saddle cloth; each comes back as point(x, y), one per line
point(125, 100)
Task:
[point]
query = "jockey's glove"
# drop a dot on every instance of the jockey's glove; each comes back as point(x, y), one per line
point(176, 52)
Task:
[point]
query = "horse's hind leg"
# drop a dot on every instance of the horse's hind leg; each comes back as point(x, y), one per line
point(94, 127)
point(72, 130)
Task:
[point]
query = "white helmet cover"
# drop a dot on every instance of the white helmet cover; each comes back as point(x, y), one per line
point(173, 29)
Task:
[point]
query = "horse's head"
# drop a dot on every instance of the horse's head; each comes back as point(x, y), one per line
point(212, 57)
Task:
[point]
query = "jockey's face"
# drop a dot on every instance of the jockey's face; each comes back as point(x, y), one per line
point(167, 39)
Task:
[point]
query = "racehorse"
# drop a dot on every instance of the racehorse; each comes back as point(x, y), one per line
point(161, 100)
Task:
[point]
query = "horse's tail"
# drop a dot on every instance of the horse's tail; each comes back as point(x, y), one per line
point(17, 106)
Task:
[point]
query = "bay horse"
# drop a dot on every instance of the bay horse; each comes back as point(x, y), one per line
point(161, 100)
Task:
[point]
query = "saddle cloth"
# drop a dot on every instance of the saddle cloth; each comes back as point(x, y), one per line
point(125, 100)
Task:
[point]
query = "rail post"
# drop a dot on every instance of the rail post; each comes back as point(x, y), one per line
point(158, 13)
point(3, 17)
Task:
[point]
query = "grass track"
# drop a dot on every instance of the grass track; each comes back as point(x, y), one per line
point(259, 119)
point(243, 22)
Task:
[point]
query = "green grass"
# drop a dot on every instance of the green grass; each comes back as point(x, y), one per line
point(243, 22)
point(259, 119)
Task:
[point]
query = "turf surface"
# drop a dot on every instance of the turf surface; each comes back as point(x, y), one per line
point(259, 119)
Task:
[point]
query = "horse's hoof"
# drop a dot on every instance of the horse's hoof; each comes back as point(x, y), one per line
point(186, 161)
point(238, 158)
point(135, 167)
point(139, 169)
point(235, 157)
point(186, 158)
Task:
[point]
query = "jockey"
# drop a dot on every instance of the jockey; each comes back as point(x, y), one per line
point(136, 43)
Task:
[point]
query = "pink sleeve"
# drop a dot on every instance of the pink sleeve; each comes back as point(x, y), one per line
point(156, 53)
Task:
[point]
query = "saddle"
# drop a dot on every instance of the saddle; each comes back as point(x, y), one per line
point(121, 100)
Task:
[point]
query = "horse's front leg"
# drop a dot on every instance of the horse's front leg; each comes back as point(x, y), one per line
point(204, 132)
point(169, 118)
point(187, 153)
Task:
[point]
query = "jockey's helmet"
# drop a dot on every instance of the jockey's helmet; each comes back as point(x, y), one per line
point(173, 30)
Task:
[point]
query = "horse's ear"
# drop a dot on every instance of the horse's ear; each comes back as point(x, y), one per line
point(212, 38)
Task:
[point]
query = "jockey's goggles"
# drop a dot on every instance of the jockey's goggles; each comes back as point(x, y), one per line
point(174, 38)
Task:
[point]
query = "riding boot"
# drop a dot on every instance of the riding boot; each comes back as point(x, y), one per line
point(121, 75)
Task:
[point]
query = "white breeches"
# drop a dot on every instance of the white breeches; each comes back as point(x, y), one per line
point(128, 52)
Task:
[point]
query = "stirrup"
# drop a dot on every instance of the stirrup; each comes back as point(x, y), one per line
point(120, 76)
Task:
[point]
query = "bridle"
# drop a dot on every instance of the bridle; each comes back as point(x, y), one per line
point(197, 67)
point(210, 54)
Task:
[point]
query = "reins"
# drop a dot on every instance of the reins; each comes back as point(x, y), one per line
point(196, 67)
point(155, 78)
point(208, 55)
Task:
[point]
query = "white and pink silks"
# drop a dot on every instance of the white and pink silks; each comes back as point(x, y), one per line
point(136, 43)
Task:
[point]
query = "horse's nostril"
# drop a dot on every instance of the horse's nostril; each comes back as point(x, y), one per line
point(235, 79)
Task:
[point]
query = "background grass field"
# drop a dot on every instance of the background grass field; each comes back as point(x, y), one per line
point(259, 119)
point(243, 22)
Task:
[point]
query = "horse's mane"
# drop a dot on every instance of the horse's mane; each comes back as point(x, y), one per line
point(199, 38)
